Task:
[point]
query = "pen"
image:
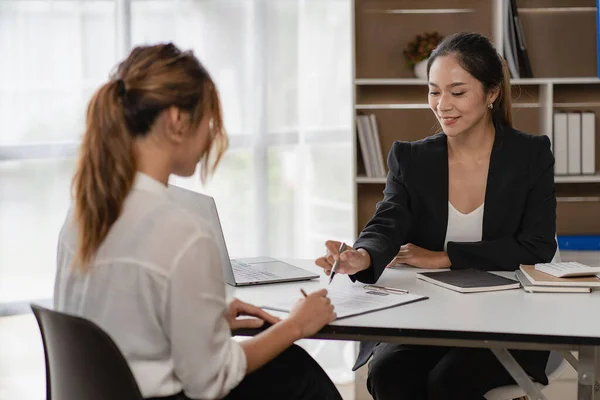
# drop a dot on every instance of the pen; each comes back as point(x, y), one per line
point(336, 264)
point(303, 292)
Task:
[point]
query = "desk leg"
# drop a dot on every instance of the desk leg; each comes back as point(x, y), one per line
point(575, 364)
point(586, 373)
point(519, 375)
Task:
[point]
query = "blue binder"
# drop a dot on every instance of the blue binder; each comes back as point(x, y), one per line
point(577, 242)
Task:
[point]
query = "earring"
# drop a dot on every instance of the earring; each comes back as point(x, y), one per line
point(490, 106)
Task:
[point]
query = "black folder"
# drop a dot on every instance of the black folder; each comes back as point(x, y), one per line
point(469, 280)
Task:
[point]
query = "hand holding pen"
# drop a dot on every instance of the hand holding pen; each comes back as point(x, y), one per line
point(336, 263)
point(350, 261)
point(312, 312)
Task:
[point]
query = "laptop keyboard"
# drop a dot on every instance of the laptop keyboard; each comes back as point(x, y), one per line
point(245, 272)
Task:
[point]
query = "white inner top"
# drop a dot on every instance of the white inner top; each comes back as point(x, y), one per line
point(464, 227)
point(156, 287)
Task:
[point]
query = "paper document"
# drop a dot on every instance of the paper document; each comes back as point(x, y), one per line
point(353, 300)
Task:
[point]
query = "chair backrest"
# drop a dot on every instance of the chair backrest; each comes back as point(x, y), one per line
point(82, 361)
point(556, 364)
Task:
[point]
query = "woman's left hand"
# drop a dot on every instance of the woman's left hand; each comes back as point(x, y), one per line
point(238, 308)
point(421, 258)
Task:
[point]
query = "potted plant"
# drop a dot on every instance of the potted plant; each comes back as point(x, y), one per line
point(418, 50)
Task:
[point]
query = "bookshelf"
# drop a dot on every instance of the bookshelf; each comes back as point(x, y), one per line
point(565, 79)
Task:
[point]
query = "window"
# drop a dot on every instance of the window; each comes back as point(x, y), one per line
point(287, 108)
point(56, 54)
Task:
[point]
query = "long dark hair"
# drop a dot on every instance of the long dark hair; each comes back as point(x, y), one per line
point(477, 55)
point(150, 80)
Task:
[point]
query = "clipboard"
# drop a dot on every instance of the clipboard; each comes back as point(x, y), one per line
point(355, 299)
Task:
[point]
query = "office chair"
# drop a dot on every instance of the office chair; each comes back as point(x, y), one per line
point(555, 367)
point(82, 361)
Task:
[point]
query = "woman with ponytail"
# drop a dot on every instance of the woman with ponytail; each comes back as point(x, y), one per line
point(149, 273)
point(480, 194)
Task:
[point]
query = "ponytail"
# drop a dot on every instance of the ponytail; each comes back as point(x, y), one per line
point(502, 111)
point(105, 171)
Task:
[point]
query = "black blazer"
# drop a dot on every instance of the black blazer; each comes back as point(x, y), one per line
point(519, 218)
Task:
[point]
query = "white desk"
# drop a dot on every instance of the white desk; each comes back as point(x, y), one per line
point(511, 319)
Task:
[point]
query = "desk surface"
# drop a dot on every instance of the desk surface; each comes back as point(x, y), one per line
point(504, 316)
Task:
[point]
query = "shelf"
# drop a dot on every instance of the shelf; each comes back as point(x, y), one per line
point(577, 199)
point(425, 106)
point(519, 81)
point(558, 81)
point(577, 178)
point(401, 11)
point(577, 105)
point(545, 10)
point(525, 105)
point(366, 179)
point(565, 79)
point(557, 179)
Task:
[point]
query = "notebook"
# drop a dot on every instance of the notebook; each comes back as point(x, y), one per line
point(543, 279)
point(567, 269)
point(468, 280)
point(528, 286)
point(356, 299)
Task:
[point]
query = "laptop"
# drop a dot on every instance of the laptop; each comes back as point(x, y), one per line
point(244, 271)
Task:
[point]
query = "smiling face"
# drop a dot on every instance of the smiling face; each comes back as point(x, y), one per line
point(456, 98)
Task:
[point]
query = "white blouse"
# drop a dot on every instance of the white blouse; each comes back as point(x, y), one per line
point(464, 227)
point(156, 287)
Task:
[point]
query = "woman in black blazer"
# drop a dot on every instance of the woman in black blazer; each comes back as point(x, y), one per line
point(479, 170)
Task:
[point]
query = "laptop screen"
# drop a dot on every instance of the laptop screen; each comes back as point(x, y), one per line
point(205, 208)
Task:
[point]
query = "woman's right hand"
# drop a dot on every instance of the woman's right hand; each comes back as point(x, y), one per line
point(351, 260)
point(312, 313)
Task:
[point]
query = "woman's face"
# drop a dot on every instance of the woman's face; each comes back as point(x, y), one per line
point(456, 98)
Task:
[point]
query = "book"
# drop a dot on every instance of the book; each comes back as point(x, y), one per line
point(560, 143)
point(567, 269)
point(542, 279)
point(378, 153)
point(528, 286)
point(469, 280)
point(364, 148)
point(510, 42)
point(588, 143)
point(523, 56)
point(370, 145)
point(574, 143)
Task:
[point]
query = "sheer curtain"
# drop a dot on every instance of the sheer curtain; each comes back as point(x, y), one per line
point(54, 54)
point(283, 68)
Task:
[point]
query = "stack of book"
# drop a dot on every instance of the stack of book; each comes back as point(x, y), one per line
point(370, 146)
point(565, 277)
point(515, 48)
